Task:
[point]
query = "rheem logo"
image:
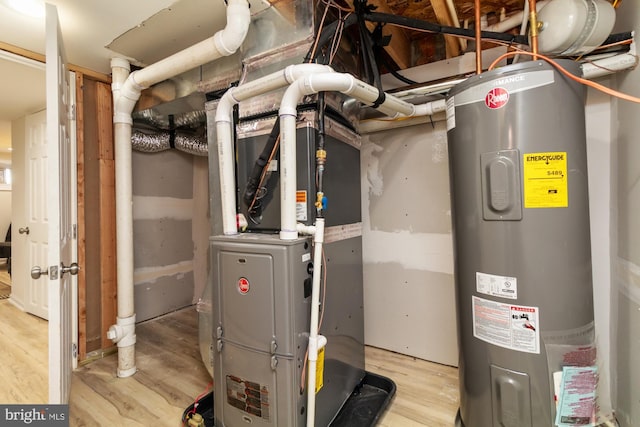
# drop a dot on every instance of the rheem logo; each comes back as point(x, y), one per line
point(243, 285)
point(496, 98)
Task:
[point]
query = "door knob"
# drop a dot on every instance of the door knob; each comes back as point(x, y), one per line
point(23, 230)
point(73, 269)
point(36, 272)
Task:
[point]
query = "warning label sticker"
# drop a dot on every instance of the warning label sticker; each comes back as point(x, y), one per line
point(500, 286)
point(301, 205)
point(320, 370)
point(451, 113)
point(515, 327)
point(248, 396)
point(545, 180)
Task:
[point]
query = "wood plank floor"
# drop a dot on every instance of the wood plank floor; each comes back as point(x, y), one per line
point(24, 362)
point(171, 374)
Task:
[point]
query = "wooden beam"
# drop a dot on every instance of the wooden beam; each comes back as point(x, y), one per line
point(444, 16)
point(107, 197)
point(399, 48)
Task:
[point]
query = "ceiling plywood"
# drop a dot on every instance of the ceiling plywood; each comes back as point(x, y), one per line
point(169, 31)
point(175, 28)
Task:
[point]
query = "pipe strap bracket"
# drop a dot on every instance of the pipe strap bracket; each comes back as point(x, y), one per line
point(379, 100)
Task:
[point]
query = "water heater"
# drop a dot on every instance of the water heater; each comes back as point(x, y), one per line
point(518, 169)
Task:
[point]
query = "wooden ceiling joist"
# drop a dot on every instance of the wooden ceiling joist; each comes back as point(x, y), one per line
point(444, 15)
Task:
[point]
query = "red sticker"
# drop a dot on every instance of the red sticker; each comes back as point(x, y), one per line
point(243, 285)
point(496, 98)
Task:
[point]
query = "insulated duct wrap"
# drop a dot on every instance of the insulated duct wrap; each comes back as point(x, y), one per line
point(191, 119)
point(161, 141)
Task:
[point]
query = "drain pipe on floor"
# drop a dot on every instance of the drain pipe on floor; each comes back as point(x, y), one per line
point(126, 90)
point(289, 229)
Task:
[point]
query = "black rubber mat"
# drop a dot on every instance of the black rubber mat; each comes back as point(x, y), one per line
point(367, 402)
point(363, 408)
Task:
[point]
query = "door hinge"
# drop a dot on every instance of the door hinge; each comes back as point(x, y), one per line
point(72, 112)
point(74, 232)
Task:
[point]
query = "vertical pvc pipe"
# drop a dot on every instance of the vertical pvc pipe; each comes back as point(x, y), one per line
point(126, 93)
point(224, 126)
point(316, 342)
point(226, 159)
point(289, 228)
point(124, 230)
point(288, 179)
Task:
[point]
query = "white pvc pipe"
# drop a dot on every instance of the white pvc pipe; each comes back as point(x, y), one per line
point(307, 85)
point(125, 95)
point(513, 20)
point(606, 66)
point(224, 130)
point(123, 332)
point(314, 83)
point(316, 342)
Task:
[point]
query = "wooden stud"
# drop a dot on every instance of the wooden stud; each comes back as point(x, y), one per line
point(106, 162)
point(444, 18)
point(82, 255)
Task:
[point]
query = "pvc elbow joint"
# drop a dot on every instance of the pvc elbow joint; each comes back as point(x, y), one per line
point(229, 40)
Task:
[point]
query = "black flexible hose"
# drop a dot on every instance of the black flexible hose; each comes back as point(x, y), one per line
point(251, 189)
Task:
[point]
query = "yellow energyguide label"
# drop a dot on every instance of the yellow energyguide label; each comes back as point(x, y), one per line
point(320, 370)
point(545, 180)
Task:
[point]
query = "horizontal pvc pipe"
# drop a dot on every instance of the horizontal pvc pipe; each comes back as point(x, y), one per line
point(430, 108)
point(606, 66)
point(224, 43)
point(513, 21)
point(358, 89)
point(307, 85)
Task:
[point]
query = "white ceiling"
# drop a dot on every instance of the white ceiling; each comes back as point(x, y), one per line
point(141, 30)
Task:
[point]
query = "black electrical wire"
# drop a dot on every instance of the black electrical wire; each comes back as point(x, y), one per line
point(618, 37)
point(418, 24)
point(320, 152)
point(379, 42)
point(371, 67)
point(172, 131)
point(402, 78)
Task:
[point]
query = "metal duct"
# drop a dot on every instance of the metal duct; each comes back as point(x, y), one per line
point(192, 119)
point(161, 141)
point(174, 124)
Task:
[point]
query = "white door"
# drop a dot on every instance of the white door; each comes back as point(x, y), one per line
point(61, 266)
point(36, 296)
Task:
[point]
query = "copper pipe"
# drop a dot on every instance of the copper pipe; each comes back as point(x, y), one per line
point(478, 38)
point(533, 28)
